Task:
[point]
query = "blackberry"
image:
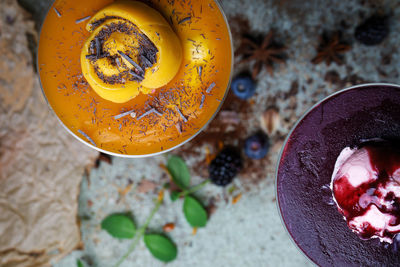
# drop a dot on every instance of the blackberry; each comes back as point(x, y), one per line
point(372, 31)
point(225, 166)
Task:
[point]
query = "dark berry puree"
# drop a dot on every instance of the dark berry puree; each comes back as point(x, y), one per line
point(366, 188)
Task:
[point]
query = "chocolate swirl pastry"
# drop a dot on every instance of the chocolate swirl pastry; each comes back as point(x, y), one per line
point(131, 49)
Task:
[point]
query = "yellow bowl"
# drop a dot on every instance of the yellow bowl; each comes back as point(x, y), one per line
point(148, 124)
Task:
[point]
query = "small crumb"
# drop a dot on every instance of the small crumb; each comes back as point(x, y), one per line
point(146, 186)
point(232, 189)
point(162, 166)
point(168, 227)
point(160, 196)
point(125, 191)
point(209, 156)
point(220, 145)
point(80, 246)
point(236, 198)
point(211, 209)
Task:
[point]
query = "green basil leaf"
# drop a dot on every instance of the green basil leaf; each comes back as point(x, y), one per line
point(161, 247)
point(179, 171)
point(194, 212)
point(79, 263)
point(174, 195)
point(119, 226)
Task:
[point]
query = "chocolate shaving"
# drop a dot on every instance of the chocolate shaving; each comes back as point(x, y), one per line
point(180, 114)
point(146, 61)
point(131, 61)
point(98, 22)
point(98, 47)
point(119, 116)
point(92, 57)
point(212, 85)
point(118, 62)
point(91, 47)
point(200, 71)
point(87, 137)
point(57, 12)
point(157, 112)
point(81, 20)
point(179, 127)
point(203, 97)
point(113, 79)
point(184, 20)
point(138, 77)
point(153, 110)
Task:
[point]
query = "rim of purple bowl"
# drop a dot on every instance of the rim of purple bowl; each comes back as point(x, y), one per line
point(284, 146)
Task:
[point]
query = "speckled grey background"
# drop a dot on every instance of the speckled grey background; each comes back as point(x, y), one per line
point(250, 232)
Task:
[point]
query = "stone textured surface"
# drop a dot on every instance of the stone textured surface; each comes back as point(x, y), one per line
point(246, 233)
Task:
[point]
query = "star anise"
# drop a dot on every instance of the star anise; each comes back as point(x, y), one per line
point(265, 53)
point(331, 49)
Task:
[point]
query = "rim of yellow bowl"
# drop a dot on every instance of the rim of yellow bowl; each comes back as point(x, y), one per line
point(155, 153)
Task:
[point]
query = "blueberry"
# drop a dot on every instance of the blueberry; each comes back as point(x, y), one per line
point(256, 146)
point(243, 87)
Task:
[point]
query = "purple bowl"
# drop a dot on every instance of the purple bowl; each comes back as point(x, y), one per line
point(306, 163)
